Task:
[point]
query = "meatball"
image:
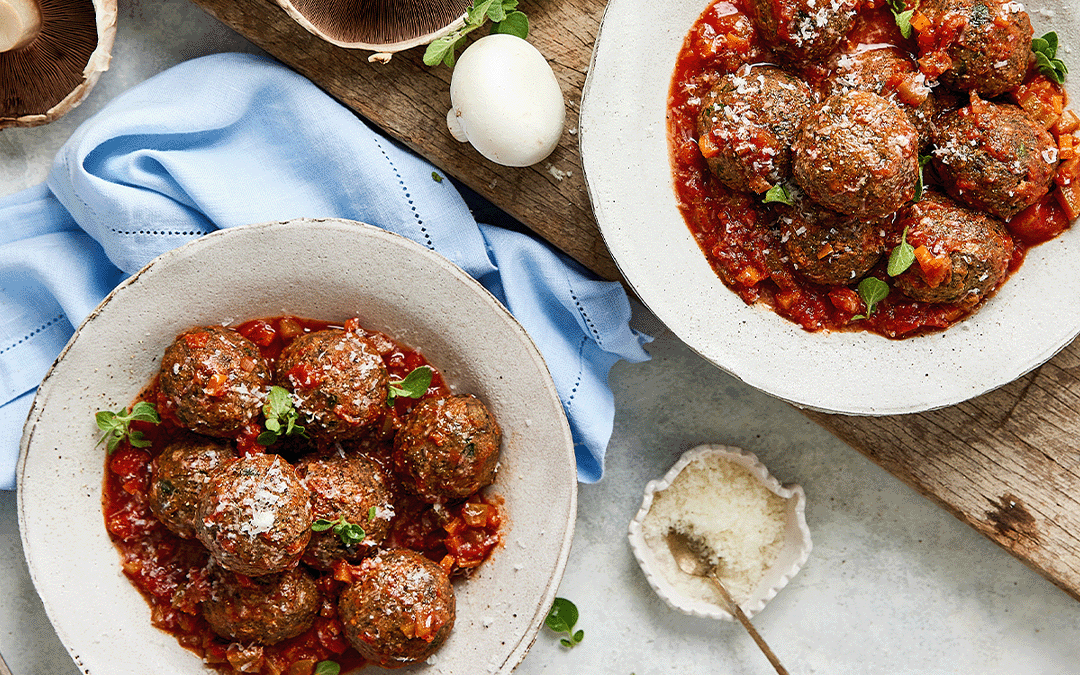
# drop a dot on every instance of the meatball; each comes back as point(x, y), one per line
point(447, 448)
point(802, 30)
point(350, 486)
point(991, 53)
point(973, 249)
point(177, 477)
point(213, 380)
point(398, 609)
point(254, 516)
point(264, 610)
point(993, 157)
point(831, 249)
point(889, 72)
point(857, 153)
point(338, 381)
point(747, 123)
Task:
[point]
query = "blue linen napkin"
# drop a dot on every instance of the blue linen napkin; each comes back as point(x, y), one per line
point(231, 139)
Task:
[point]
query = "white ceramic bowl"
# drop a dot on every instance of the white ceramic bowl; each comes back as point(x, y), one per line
point(659, 566)
point(327, 269)
point(624, 150)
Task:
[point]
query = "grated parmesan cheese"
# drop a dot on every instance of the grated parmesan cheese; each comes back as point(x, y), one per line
point(722, 503)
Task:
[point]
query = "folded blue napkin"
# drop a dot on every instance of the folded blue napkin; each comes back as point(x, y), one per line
point(232, 139)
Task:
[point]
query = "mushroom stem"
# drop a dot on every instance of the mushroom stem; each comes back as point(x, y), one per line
point(20, 23)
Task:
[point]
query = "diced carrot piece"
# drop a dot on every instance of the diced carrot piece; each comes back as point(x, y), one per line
point(1066, 147)
point(934, 269)
point(824, 251)
point(919, 21)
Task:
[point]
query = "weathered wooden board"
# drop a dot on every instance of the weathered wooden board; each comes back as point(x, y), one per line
point(1007, 463)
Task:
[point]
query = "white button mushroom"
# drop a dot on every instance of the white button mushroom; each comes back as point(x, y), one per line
point(506, 101)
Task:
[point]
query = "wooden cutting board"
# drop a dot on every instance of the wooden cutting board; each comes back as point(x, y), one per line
point(1007, 463)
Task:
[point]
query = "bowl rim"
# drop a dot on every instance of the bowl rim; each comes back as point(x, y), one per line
point(856, 373)
point(516, 650)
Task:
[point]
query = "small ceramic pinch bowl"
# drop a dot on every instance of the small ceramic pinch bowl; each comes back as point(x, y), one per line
point(696, 595)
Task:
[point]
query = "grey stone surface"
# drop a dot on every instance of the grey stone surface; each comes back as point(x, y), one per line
point(894, 585)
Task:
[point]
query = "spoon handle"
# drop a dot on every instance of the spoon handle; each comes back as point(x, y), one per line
point(746, 624)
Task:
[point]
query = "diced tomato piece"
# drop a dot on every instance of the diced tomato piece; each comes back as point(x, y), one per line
point(1041, 99)
point(475, 515)
point(259, 332)
point(1068, 123)
point(1040, 222)
point(846, 300)
point(1068, 197)
point(197, 339)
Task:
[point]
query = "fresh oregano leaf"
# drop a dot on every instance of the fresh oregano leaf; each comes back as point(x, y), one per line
point(901, 257)
point(515, 23)
point(778, 193)
point(561, 618)
point(872, 291)
point(414, 385)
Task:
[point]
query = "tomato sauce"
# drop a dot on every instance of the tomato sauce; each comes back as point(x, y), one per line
point(736, 231)
point(172, 573)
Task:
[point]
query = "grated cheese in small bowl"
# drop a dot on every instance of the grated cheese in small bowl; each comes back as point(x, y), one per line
point(726, 498)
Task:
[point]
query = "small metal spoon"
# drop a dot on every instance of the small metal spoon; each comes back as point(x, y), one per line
point(692, 557)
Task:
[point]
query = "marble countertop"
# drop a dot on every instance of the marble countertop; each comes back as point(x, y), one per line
point(894, 584)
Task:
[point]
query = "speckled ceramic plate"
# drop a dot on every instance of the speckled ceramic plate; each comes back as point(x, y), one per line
point(326, 269)
point(624, 151)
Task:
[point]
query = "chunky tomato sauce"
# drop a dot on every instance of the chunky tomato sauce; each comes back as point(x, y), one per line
point(172, 573)
point(734, 229)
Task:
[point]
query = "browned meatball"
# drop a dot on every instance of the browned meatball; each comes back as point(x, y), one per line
point(254, 515)
point(857, 154)
point(178, 476)
point(213, 380)
point(974, 250)
point(802, 29)
point(264, 610)
point(990, 54)
point(338, 381)
point(399, 609)
point(447, 448)
point(889, 72)
point(828, 248)
point(747, 123)
point(350, 486)
point(993, 157)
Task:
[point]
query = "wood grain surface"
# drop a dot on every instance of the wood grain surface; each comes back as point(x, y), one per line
point(1007, 463)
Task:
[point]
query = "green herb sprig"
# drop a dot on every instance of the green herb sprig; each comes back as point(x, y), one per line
point(1045, 49)
point(902, 15)
point(872, 291)
point(348, 533)
point(901, 257)
point(327, 668)
point(117, 425)
point(414, 385)
point(505, 18)
point(778, 193)
point(561, 618)
point(920, 184)
point(282, 418)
